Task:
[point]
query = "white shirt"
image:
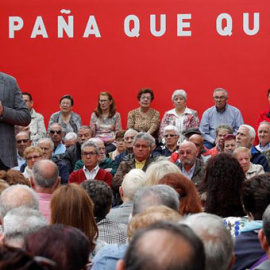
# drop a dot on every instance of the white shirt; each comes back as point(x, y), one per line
point(188, 174)
point(90, 174)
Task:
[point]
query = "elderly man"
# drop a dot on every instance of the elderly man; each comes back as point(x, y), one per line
point(19, 223)
point(45, 180)
point(105, 163)
point(56, 133)
point(47, 146)
point(15, 196)
point(220, 113)
point(73, 154)
point(90, 170)
point(37, 126)
point(13, 111)
point(70, 139)
point(23, 140)
point(218, 243)
point(133, 180)
point(149, 249)
point(221, 131)
point(171, 136)
point(264, 137)
point(245, 137)
point(128, 138)
point(142, 148)
point(189, 164)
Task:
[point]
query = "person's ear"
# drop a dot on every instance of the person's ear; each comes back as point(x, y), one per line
point(263, 241)
point(2, 236)
point(232, 262)
point(121, 191)
point(32, 182)
point(57, 183)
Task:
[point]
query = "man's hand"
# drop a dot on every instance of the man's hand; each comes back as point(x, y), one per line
point(1, 108)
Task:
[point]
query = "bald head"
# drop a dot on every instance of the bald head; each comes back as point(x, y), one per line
point(45, 175)
point(188, 154)
point(15, 196)
point(198, 141)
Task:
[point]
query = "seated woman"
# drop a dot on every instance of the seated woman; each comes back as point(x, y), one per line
point(188, 194)
point(66, 118)
point(144, 118)
point(243, 155)
point(181, 116)
point(71, 205)
point(105, 121)
point(31, 154)
point(229, 143)
point(120, 144)
point(221, 189)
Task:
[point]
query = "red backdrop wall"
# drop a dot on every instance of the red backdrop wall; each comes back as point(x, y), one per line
point(49, 67)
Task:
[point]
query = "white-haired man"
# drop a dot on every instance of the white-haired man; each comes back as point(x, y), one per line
point(245, 137)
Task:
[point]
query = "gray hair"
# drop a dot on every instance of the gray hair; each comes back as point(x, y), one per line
point(20, 222)
point(155, 195)
point(171, 128)
point(224, 126)
point(251, 130)
point(158, 169)
point(90, 144)
point(130, 130)
point(179, 92)
point(133, 180)
point(265, 123)
point(18, 195)
point(144, 136)
point(241, 149)
point(45, 173)
point(221, 89)
point(217, 240)
point(70, 136)
point(46, 140)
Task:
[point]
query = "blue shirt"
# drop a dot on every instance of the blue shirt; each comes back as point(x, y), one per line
point(212, 118)
point(60, 149)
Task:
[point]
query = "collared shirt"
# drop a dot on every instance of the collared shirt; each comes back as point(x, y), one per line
point(20, 160)
point(60, 149)
point(188, 174)
point(44, 205)
point(138, 164)
point(90, 174)
point(212, 118)
point(263, 148)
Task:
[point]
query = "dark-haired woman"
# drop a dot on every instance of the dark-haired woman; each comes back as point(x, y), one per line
point(144, 118)
point(105, 121)
point(66, 118)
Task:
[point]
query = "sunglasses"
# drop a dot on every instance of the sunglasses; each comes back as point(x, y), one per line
point(55, 131)
point(24, 141)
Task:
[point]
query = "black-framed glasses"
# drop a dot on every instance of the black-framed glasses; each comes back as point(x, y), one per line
point(89, 154)
point(24, 141)
point(169, 135)
point(55, 131)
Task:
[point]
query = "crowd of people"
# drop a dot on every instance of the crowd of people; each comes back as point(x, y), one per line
point(180, 193)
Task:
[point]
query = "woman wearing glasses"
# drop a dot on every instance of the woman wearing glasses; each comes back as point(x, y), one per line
point(144, 118)
point(105, 121)
point(66, 118)
point(181, 116)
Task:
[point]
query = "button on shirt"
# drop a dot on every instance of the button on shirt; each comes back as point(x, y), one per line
point(188, 174)
point(90, 174)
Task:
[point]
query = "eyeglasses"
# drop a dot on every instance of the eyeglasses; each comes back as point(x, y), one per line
point(33, 157)
point(55, 131)
point(169, 135)
point(89, 153)
point(27, 100)
point(22, 141)
point(146, 98)
point(219, 98)
point(141, 146)
point(44, 148)
point(103, 100)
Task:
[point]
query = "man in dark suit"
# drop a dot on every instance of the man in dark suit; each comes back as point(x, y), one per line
point(13, 111)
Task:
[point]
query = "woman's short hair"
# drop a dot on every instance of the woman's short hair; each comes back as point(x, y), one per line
point(145, 91)
point(72, 206)
point(120, 134)
point(31, 149)
point(179, 92)
point(67, 97)
point(241, 149)
point(14, 177)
